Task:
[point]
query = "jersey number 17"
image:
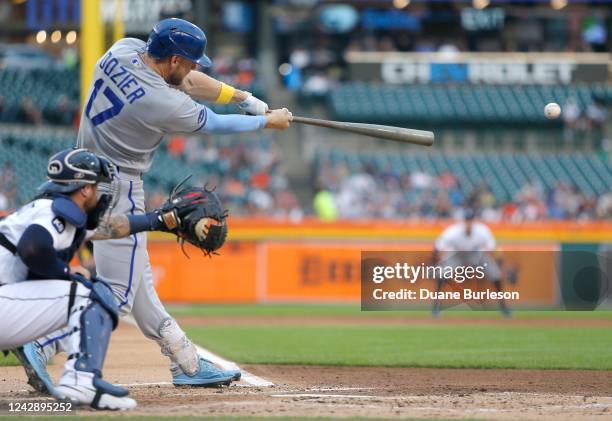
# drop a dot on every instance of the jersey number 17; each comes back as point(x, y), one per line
point(112, 111)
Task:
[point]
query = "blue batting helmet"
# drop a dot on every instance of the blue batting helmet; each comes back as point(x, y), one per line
point(177, 37)
point(74, 168)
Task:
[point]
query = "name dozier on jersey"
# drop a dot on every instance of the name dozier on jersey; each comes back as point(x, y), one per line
point(122, 78)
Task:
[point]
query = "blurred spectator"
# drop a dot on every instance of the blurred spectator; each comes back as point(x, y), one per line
point(594, 33)
point(260, 202)
point(286, 205)
point(2, 108)
point(317, 84)
point(571, 118)
point(448, 48)
point(324, 206)
point(70, 57)
point(196, 150)
point(385, 44)
point(420, 180)
point(62, 114)
point(596, 114)
point(357, 194)
point(176, 146)
point(299, 58)
point(236, 72)
point(245, 173)
point(604, 207)
point(4, 202)
point(8, 188)
point(28, 112)
point(260, 180)
point(380, 194)
point(246, 69)
point(156, 199)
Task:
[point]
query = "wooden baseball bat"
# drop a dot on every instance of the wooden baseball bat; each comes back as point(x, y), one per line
point(398, 134)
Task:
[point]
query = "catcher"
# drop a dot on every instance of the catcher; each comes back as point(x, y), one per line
point(40, 293)
point(39, 286)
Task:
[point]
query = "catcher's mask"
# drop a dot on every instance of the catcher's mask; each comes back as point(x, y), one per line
point(74, 168)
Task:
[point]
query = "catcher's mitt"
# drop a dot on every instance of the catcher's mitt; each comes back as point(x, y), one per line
point(197, 216)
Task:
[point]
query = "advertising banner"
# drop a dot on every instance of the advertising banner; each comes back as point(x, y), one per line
point(474, 68)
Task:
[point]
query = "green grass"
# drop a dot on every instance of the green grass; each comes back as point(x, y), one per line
point(412, 346)
point(231, 310)
point(8, 360)
point(435, 345)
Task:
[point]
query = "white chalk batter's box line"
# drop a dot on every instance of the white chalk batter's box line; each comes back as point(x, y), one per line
point(247, 379)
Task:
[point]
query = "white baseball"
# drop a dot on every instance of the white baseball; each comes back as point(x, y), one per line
point(552, 110)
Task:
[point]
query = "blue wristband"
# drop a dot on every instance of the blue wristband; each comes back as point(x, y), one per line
point(147, 222)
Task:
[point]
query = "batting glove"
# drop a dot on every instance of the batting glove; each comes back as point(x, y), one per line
point(253, 105)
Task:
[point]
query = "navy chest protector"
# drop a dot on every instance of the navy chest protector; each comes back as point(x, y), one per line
point(68, 210)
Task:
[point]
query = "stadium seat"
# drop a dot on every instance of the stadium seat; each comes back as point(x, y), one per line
point(511, 104)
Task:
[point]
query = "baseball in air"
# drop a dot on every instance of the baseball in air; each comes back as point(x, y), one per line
point(552, 111)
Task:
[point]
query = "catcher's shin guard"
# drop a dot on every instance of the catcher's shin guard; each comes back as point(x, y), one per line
point(86, 386)
point(98, 320)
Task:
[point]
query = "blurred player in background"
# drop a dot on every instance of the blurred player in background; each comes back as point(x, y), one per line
point(468, 243)
point(140, 93)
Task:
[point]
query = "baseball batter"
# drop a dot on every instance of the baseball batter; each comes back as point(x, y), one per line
point(468, 243)
point(141, 92)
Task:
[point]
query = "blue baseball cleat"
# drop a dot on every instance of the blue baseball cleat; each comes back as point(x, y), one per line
point(207, 376)
point(236, 374)
point(34, 362)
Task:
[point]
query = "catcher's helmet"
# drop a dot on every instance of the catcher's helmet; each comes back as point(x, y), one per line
point(74, 168)
point(177, 37)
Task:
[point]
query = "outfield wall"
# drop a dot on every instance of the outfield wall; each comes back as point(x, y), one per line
point(267, 261)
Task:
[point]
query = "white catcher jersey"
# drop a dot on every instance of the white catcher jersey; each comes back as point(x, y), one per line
point(13, 226)
point(130, 108)
point(454, 238)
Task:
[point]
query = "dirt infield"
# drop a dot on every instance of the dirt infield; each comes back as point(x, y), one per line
point(346, 391)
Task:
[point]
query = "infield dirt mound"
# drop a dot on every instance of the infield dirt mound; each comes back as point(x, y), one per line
point(345, 391)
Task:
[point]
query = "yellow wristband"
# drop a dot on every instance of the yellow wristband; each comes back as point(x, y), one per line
point(226, 94)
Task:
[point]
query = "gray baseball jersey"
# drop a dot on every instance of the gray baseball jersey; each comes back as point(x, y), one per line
point(123, 118)
point(129, 110)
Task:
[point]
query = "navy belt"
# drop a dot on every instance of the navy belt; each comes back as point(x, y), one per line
point(4, 242)
point(129, 171)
